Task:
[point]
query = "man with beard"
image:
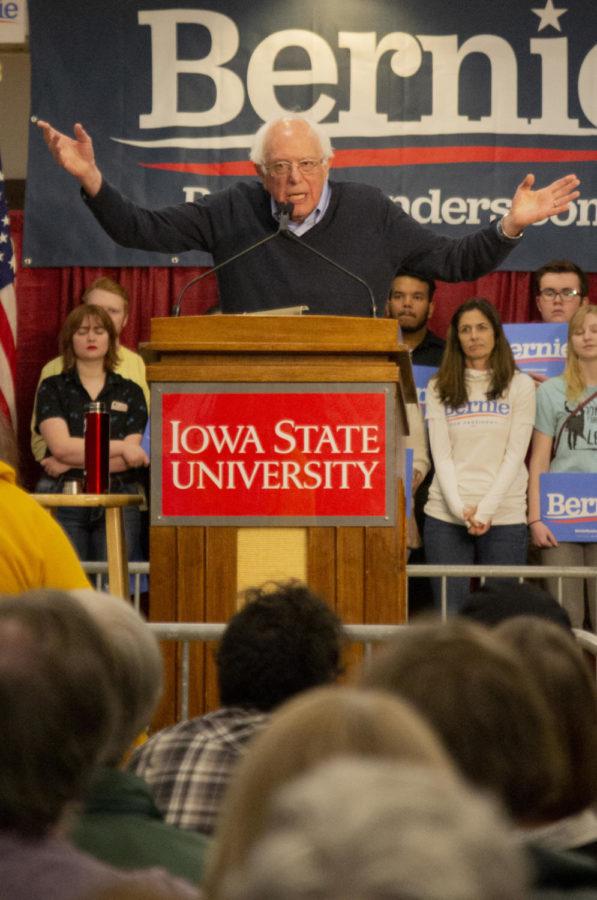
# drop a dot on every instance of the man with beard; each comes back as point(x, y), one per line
point(411, 302)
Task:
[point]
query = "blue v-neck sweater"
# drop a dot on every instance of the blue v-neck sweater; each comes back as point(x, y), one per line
point(362, 230)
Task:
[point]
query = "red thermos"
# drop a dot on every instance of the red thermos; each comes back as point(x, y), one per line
point(97, 449)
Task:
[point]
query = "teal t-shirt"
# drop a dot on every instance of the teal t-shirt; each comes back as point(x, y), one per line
point(577, 448)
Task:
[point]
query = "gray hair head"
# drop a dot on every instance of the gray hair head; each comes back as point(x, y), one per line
point(57, 707)
point(257, 154)
point(354, 829)
point(136, 670)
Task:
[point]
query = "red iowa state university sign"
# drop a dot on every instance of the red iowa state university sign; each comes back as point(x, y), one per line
point(283, 454)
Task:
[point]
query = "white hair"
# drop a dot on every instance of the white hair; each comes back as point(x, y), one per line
point(137, 666)
point(381, 830)
point(257, 154)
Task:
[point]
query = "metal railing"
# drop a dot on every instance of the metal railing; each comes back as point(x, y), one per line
point(520, 573)
point(99, 570)
point(98, 575)
point(187, 633)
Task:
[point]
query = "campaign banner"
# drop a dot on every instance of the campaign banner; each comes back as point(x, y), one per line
point(539, 348)
point(569, 505)
point(421, 375)
point(273, 455)
point(443, 106)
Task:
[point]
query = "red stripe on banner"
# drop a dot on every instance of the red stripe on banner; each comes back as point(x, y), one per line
point(398, 156)
point(240, 167)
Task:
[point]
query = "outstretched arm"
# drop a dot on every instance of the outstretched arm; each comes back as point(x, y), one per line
point(529, 206)
point(75, 155)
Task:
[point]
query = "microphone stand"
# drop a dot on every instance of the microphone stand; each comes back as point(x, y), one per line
point(285, 213)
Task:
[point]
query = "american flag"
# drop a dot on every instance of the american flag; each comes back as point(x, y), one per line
point(8, 312)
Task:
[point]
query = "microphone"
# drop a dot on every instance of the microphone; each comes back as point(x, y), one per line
point(285, 211)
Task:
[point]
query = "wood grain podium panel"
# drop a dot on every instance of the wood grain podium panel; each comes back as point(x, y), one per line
point(358, 570)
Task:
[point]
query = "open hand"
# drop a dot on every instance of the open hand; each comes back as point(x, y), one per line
point(74, 155)
point(529, 206)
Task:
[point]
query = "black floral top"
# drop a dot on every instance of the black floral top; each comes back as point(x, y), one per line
point(64, 397)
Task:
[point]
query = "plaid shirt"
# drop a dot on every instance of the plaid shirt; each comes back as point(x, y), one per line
point(188, 765)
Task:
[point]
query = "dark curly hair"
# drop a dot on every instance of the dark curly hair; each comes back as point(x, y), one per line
point(284, 640)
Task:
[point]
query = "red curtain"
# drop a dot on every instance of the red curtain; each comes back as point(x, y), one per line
point(45, 296)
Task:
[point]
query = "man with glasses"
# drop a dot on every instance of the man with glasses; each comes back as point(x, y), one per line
point(561, 287)
point(355, 225)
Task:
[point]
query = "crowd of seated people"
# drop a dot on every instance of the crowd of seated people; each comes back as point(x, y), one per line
point(459, 762)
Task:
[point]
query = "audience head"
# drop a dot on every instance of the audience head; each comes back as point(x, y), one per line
point(80, 318)
point(474, 690)
point(364, 828)
point(493, 603)
point(411, 301)
point(291, 155)
point(56, 707)
point(136, 667)
point(458, 354)
point(282, 641)
point(555, 663)
point(112, 298)
point(561, 287)
point(318, 725)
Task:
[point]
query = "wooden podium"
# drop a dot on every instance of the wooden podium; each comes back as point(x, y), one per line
point(197, 570)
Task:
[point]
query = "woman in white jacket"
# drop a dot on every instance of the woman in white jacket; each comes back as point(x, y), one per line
point(480, 412)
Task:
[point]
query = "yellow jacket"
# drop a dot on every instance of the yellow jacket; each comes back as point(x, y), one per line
point(34, 550)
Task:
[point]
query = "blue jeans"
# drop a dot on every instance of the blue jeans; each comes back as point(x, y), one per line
point(449, 544)
point(86, 528)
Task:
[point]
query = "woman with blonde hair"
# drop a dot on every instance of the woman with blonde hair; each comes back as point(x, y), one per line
point(565, 440)
point(316, 726)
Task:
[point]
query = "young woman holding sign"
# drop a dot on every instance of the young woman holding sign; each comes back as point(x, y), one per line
point(480, 411)
point(565, 440)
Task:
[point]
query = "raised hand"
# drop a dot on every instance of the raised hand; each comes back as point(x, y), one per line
point(529, 206)
point(74, 155)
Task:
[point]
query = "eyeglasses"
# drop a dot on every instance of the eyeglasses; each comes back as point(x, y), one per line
point(283, 167)
point(565, 294)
